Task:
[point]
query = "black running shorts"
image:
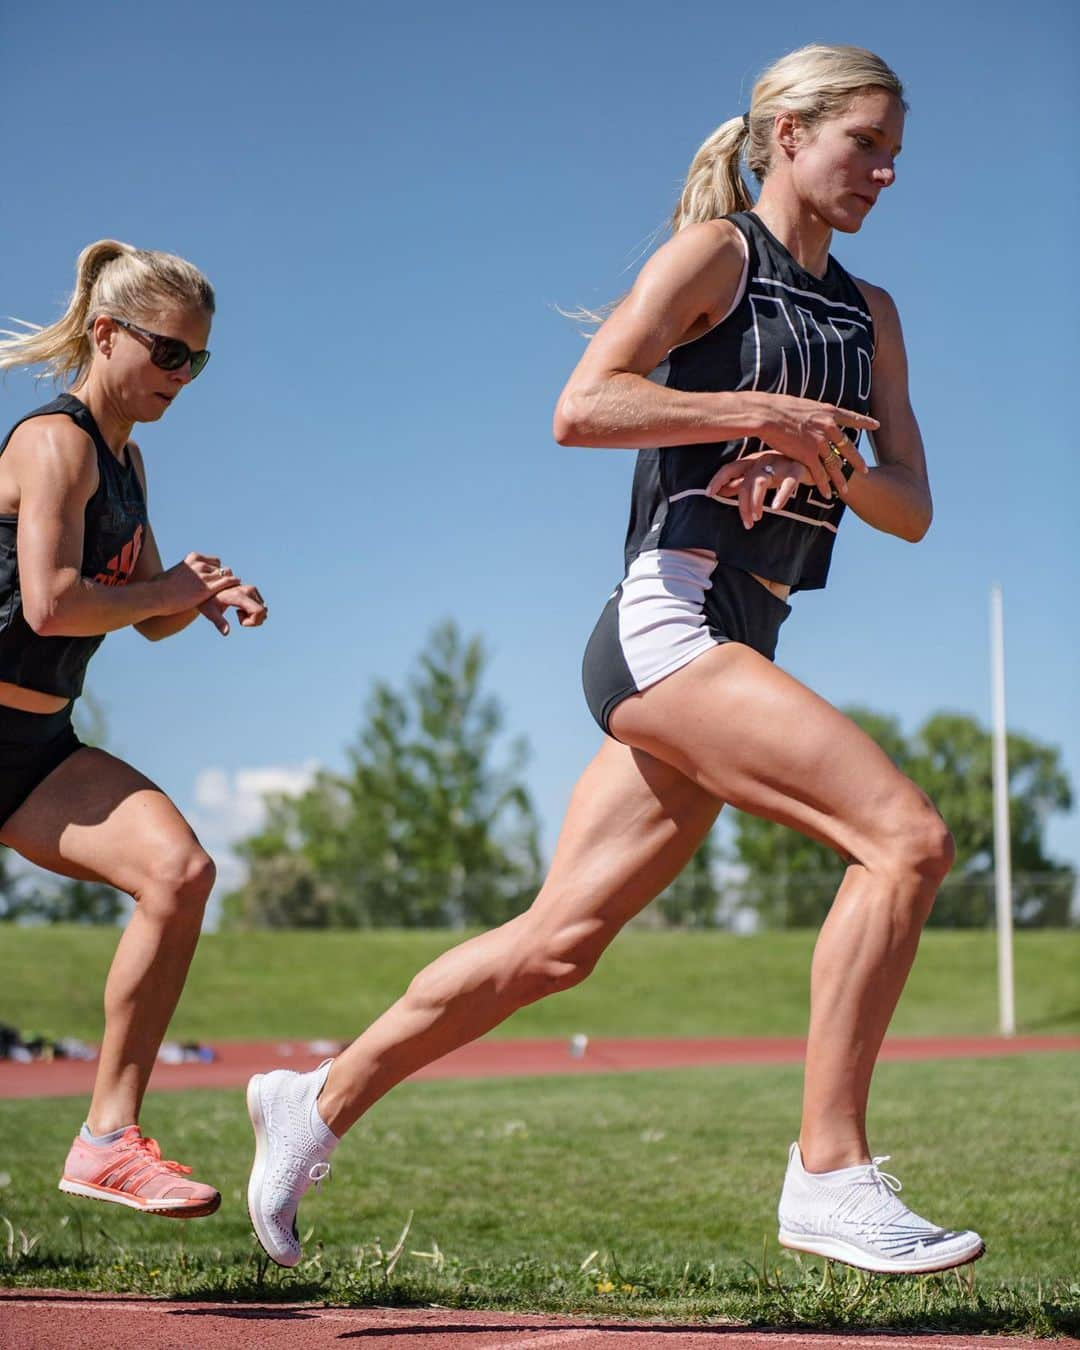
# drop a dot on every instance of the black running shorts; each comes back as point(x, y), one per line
point(673, 605)
point(31, 746)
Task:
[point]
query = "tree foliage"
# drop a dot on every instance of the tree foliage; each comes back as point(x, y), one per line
point(791, 880)
point(424, 829)
point(694, 900)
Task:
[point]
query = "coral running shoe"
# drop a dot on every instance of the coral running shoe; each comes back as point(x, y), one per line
point(132, 1172)
point(292, 1145)
point(854, 1215)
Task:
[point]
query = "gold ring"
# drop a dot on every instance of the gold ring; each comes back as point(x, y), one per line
point(835, 450)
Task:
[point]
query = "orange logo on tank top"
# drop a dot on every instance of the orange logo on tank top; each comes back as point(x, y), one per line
point(119, 569)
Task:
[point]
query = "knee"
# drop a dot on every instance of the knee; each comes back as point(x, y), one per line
point(920, 846)
point(932, 847)
point(177, 882)
point(553, 962)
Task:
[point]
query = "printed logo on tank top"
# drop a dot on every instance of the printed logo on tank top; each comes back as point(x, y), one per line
point(118, 570)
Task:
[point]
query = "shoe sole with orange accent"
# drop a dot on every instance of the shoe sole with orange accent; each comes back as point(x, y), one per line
point(165, 1208)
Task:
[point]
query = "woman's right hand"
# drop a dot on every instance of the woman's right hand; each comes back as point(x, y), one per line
point(192, 582)
point(806, 431)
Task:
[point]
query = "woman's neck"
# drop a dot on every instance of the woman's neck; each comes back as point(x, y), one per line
point(801, 231)
point(114, 427)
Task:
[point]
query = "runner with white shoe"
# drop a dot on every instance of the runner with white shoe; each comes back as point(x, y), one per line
point(292, 1145)
point(853, 1214)
point(747, 362)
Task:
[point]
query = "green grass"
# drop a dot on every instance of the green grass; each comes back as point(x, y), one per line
point(305, 984)
point(647, 1194)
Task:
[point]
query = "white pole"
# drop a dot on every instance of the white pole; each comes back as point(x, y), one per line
point(1002, 860)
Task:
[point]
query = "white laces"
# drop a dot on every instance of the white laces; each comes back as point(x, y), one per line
point(877, 1175)
point(319, 1172)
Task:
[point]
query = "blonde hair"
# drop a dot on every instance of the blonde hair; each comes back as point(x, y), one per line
point(110, 278)
point(815, 82)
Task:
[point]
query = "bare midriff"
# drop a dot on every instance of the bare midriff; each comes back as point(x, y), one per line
point(778, 588)
point(30, 700)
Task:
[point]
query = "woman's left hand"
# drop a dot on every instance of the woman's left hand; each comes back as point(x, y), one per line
point(751, 477)
point(250, 607)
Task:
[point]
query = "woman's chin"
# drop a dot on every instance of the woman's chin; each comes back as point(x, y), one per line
point(153, 409)
point(846, 221)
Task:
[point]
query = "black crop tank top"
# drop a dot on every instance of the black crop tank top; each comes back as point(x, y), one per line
point(789, 333)
point(114, 527)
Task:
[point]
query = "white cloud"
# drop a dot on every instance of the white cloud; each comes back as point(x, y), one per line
point(230, 805)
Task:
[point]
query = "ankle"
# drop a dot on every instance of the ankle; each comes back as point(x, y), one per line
point(331, 1113)
point(90, 1135)
point(829, 1155)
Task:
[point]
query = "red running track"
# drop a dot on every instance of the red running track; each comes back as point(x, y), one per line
point(39, 1319)
point(491, 1058)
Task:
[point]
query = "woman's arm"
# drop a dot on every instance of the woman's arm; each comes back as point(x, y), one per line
point(682, 291)
point(148, 567)
point(894, 496)
point(56, 468)
point(245, 600)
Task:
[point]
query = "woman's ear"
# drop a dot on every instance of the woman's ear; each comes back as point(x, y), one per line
point(103, 334)
point(787, 131)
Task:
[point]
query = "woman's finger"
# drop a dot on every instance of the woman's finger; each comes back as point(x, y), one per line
point(848, 448)
point(786, 490)
point(816, 466)
point(745, 501)
point(724, 476)
point(216, 615)
point(764, 482)
point(222, 581)
point(861, 421)
point(834, 461)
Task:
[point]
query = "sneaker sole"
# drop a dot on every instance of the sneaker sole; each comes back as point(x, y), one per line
point(834, 1249)
point(255, 1115)
point(166, 1209)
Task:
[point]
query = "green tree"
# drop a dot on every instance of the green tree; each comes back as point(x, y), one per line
point(693, 900)
point(14, 900)
point(791, 880)
point(424, 829)
point(952, 763)
point(67, 900)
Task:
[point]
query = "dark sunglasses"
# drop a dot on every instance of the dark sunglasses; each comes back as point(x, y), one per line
point(165, 352)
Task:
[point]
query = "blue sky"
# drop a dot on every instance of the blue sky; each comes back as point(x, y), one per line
point(391, 204)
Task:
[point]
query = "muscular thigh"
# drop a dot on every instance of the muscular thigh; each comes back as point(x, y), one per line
point(96, 818)
point(633, 823)
point(753, 736)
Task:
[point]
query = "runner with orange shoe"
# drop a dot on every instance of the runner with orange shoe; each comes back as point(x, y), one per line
point(78, 560)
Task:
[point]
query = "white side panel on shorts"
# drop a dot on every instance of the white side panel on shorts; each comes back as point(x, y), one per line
point(662, 612)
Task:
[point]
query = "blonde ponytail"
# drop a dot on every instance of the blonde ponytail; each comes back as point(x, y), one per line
point(715, 185)
point(815, 82)
point(110, 278)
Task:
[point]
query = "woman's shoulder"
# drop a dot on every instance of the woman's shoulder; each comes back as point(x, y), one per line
point(879, 302)
point(51, 444)
point(706, 257)
point(135, 459)
point(710, 238)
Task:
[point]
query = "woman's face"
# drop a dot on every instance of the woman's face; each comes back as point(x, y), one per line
point(841, 166)
point(140, 389)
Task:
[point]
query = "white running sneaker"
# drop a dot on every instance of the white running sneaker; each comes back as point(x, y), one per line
point(292, 1144)
point(853, 1215)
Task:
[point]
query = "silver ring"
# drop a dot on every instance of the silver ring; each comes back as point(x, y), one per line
point(768, 471)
